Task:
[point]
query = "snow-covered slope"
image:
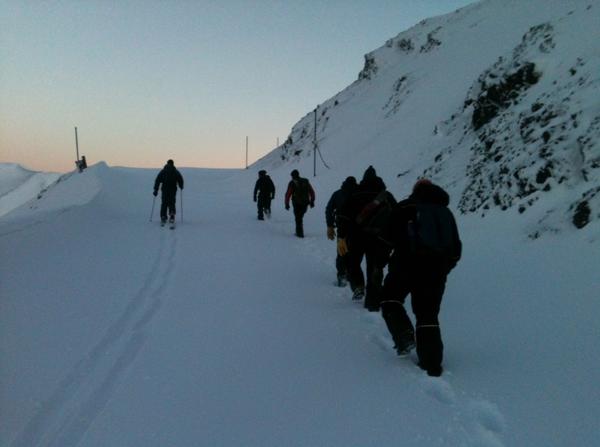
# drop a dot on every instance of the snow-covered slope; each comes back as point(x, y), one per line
point(19, 185)
point(229, 331)
point(498, 101)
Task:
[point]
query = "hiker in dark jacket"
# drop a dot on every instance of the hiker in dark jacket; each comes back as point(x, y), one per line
point(170, 178)
point(420, 268)
point(264, 192)
point(302, 195)
point(337, 200)
point(358, 237)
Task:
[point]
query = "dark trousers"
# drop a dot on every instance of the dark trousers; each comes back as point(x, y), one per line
point(299, 212)
point(263, 204)
point(340, 266)
point(425, 280)
point(167, 206)
point(363, 246)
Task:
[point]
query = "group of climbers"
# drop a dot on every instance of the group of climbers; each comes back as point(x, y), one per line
point(416, 239)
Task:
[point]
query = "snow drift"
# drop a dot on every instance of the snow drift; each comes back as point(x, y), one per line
point(19, 185)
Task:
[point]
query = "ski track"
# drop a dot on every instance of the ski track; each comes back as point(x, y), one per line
point(480, 421)
point(64, 418)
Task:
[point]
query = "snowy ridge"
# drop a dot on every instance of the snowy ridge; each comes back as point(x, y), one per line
point(18, 186)
point(497, 101)
point(47, 192)
point(11, 176)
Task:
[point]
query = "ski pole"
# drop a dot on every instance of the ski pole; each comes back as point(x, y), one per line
point(181, 200)
point(152, 212)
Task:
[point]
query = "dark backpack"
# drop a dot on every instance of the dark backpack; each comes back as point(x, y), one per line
point(433, 232)
point(375, 215)
point(301, 193)
point(265, 186)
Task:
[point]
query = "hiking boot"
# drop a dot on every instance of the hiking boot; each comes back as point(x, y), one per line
point(358, 294)
point(404, 348)
point(372, 305)
point(172, 219)
point(261, 218)
point(435, 372)
point(342, 281)
point(405, 344)
point(432, 371)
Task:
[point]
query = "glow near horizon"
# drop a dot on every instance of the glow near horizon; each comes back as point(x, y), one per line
point(147, 81)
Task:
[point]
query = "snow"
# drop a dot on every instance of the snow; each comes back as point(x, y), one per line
point(414, 103)
point(229, 331)
point(18, 185)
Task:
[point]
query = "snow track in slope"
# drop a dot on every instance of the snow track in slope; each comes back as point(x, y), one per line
point(63, 419)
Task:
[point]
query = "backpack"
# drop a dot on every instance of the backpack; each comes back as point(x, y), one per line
point(432, 232)
point(301, 193)
point(375, 215)
point(265, 186)
point(270, 186)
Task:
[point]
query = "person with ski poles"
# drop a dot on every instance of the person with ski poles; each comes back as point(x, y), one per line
point(170, 178)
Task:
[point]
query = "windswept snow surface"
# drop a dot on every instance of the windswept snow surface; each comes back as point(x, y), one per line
point(229, 331)
point(19, 185)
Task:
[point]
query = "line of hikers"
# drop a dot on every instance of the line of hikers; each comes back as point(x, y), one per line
point(299, 192)
point(416, 239)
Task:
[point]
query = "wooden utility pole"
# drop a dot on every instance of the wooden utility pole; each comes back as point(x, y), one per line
point(76, 144)
point(315, 146)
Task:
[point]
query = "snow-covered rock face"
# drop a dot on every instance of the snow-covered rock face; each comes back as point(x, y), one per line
point(499, 102)
point(531, 141)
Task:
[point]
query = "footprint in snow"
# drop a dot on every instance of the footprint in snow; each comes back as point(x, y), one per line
point(381, 342)
point(438, 388)
point(488, 416)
